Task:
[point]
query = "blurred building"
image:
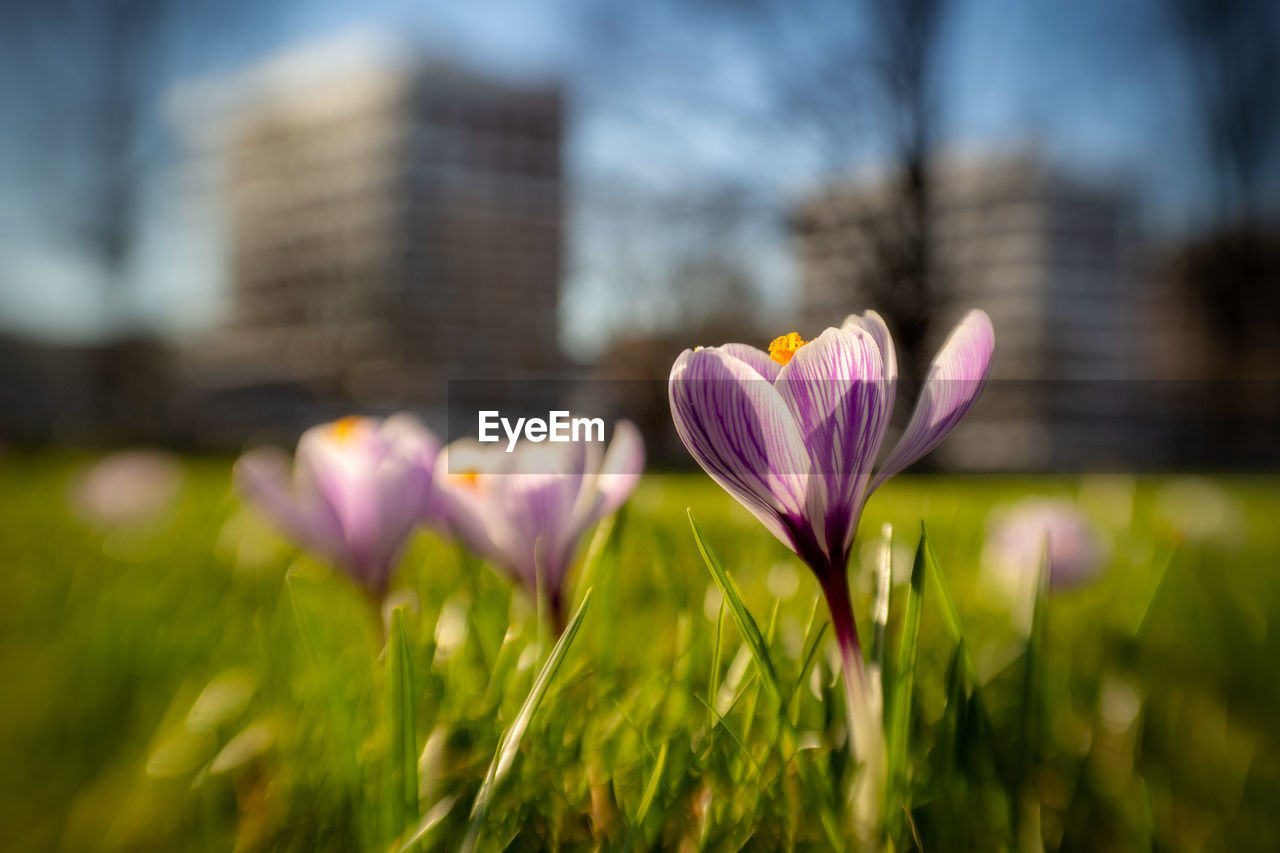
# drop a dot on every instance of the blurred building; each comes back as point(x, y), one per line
point(91, 393)
point(1052, 260)
point(390, 226)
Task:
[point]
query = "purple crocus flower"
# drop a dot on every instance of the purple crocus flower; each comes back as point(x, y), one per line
point(526, 511)
point(1017, 539)
point(127, 487)
point(353, 494)
point(794, 435)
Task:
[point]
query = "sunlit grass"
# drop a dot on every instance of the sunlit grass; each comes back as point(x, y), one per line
point(1158, 687)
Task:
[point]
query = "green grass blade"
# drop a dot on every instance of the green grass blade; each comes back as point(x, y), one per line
point(651, 791)
point(1032, 667)
point(951, 618)
point(713, 686)
point(900, 712)
point(947, 604)
point(750, 711)
point(509, 743)
point(409, 718)
point(635, 728)
point(951, 731)
point(1026, 807)
point(432, 819)
point(646, 802)
point(308, 630)
point(815, 643)
point(595, 553)
point(1138, 623)
point(807, 659)
point(724, 724)
point(400, 781)
point(747, 626)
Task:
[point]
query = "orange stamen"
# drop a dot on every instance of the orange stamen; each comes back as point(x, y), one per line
point(470, 479)
point(784, 347)
point(345, 428)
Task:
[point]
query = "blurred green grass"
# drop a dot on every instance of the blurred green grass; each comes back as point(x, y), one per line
point(1161, 687)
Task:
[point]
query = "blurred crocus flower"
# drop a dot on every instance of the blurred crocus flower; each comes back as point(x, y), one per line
point(129, 486)
point(527, 510)
point(1017, 537)
point(794, 435)
point(353, 493)
point(1020, 536)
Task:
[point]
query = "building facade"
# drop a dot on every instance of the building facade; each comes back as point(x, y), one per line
point(388, 229)
point(1052, 261)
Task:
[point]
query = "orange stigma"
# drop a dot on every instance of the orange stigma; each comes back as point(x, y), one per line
point(345, 429)
point(470, 479)
point(784, 347)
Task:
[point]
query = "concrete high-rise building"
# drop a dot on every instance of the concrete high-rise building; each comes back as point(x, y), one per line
point(390, 225)
point(1051, 259)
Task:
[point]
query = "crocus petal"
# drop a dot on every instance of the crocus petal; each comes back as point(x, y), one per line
point(953, 383)
point(263, 477)
point(531, 506)
point(538, 509)
point(468, 503)
point(874, 325)
point(1017, 537)
point(621, 469)
point(359, 488)
point(376, 479)
point(417, 449)
point(738, 428)
point(346, 471)
point(835, 389)
point(410, 439)
point(548, 489)
point(758, 360)
point(604, 492)
point(401, 490)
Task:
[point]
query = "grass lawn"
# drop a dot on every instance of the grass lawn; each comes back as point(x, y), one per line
point(193, 682)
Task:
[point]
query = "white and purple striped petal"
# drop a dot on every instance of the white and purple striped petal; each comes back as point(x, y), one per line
point(953, 383)
point(740, 430)
point(526, 511)
point(796, 444)
point(835, 390)
point(873, 324)
point(758, 360)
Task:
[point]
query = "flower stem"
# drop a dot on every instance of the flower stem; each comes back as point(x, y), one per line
point(863, 706)
point(835, 588)
point(556, 611)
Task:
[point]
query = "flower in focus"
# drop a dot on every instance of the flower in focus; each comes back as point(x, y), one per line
point(1017, 539)
point(793, 434)
point(353, 494)
point(129, 486)
point(526, 511)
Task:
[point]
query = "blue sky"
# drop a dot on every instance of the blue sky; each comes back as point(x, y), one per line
point(1092, 85)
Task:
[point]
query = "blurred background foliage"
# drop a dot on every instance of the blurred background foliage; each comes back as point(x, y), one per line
point(183, 679)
